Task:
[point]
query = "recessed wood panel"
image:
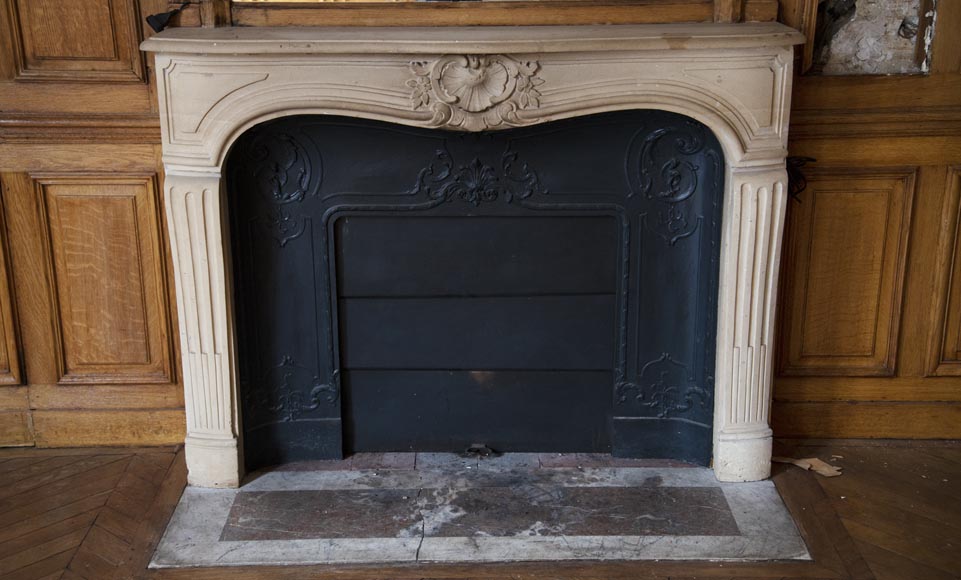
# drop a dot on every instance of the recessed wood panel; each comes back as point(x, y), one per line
point(15, 429)
point(82, 40)
point(945, 343)
point(844, 273)
point(884, 420)
point(109, 428)
point(9, 342)
point(108, 283)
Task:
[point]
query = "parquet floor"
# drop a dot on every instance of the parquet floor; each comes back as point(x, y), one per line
point(96, 514)
point(75, 513)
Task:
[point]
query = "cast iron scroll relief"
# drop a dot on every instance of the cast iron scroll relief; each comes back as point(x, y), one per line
point(282, 170)
point(661, 168)
point(283, 395)
point(665, 387)
point(475, 92)
point(477, 182)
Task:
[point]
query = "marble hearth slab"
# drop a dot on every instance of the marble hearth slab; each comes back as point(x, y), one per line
point(442, 508)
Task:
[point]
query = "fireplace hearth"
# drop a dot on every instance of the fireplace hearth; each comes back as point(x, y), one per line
point(516, 98)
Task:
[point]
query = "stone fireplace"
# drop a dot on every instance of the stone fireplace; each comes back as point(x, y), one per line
point(216, 84)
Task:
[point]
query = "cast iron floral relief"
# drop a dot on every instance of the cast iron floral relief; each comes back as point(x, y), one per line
point(285, 174)
point(476, 182)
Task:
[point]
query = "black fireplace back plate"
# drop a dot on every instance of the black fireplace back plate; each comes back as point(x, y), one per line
point(551, 288)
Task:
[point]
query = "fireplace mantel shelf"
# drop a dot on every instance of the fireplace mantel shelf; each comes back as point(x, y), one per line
point(470, 39)
point(215, 84)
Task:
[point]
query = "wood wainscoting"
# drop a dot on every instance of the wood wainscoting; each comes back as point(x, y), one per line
point(87, 310)
point(870, 318)
point(89, 353)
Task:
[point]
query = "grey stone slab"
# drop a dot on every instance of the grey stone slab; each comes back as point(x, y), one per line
point(554, 548)
point(446, 461)
point(509, 462)
point(582, 460)
point(298, 515)
point(455, 477)
point(501, 513)
point(290, 552)
point(316, 465)
point(588, 511)
point(378, 461)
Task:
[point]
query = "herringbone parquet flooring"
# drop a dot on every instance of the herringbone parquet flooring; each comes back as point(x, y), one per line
point(75, 513)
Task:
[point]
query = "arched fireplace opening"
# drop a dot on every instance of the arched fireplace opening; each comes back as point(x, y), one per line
point(550, 288)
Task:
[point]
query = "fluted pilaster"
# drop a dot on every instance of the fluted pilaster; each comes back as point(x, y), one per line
point(751, 249)
point(194, 216)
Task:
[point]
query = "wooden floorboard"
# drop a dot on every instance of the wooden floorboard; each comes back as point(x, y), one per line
point(97, 514)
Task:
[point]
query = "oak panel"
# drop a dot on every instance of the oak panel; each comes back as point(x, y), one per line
point(844, 389)
point(945, 340)
point(109, 428)
point(108, 280)
point(844, 273)
point(9, 337)
point(868, 420)
point(117, 397)
point(76, 40)
point(494, 13)
point(15, 429)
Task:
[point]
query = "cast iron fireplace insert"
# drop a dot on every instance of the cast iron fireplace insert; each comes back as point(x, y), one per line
point(550, 288)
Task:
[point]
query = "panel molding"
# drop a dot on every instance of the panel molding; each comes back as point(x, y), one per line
point(879, 356)
point(109, 428)
point(944, 343)
point(125, 63)
point(158, 351)
point(870, 420)
point(10, 349)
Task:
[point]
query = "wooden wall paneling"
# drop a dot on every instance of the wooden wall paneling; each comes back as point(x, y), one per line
point(34, 308)
point(77, 40)
point(76, 99)
point(843, 282)
point(107, 274)
point(855, 420)
point(946, 49)
point(15, 421)
point(90, 428)
point(728, 10)
point(516, 12)
point(944, 341)
point(215, 13)
point(10, 373)
point(15, 416)
point(894, 390)
point(117, 185)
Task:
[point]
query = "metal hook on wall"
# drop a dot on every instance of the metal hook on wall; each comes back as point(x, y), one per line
point(161, 20)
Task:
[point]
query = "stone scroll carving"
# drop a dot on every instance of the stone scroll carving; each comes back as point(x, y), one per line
point(475, 92)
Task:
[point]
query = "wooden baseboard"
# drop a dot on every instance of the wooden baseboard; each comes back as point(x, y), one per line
point(109, 428)
point(15, 429)
point(874, 420)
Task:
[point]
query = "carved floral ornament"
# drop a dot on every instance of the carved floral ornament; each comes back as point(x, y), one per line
point(475, 92)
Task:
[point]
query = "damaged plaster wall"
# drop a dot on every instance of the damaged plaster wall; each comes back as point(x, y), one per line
point(873, 36)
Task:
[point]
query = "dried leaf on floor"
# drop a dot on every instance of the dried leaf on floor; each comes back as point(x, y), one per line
point(812, 464)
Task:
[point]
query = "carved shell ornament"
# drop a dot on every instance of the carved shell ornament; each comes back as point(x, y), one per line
point(475, 92)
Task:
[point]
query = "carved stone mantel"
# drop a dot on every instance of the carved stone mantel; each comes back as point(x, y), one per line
point(214, 84)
